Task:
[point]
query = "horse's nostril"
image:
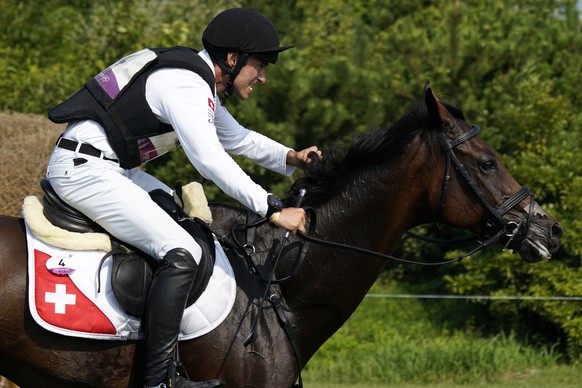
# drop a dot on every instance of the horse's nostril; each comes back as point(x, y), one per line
point(557, 231)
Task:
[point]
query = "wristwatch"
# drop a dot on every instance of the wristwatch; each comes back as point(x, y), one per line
point(274, 205)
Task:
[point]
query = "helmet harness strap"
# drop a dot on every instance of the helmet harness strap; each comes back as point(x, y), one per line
point(242, 60)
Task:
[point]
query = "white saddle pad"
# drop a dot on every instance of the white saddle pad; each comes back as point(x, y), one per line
point(64, 296)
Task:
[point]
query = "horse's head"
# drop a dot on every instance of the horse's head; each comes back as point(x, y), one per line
point(478, 193)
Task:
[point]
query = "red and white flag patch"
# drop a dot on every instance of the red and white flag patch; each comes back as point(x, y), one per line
point(60, 303)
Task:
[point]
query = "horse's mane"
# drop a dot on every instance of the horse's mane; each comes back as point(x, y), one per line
point(366, 150)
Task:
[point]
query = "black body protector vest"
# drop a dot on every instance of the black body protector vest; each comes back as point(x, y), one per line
point(115, 98)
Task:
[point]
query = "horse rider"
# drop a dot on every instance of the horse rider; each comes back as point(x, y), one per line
point(145, 105)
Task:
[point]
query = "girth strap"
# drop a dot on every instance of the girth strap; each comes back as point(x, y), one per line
point(286, 325)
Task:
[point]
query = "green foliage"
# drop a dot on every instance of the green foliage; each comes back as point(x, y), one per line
point(50, 48)
point(395, 341)
point(514, 66)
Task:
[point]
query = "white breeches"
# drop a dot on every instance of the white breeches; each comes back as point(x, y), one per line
point(118, 200)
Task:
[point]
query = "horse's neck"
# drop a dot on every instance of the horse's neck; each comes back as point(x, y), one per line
point(373, 211)
point(333, 281)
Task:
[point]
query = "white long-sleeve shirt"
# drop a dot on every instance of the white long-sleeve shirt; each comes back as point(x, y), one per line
point(206, 131)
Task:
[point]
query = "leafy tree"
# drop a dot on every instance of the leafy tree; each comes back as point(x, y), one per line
point(514, 65)
point(509, 66)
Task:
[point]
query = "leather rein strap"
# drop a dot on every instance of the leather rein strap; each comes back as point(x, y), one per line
point(505, 229)
point(497, 227)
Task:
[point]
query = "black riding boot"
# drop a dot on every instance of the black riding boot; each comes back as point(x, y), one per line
point(166, 301)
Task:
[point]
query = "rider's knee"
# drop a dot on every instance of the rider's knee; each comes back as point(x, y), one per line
point(179, 259)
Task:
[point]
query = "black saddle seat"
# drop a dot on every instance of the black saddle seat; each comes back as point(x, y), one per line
point(62, 215)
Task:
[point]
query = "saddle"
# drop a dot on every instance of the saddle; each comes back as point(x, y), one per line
point(132, 270)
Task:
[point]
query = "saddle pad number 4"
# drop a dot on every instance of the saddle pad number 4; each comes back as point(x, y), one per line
point(60, 265)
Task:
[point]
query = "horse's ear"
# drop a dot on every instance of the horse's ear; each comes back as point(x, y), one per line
point(438, 115)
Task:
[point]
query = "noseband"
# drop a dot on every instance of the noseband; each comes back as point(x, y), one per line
point(496, 226)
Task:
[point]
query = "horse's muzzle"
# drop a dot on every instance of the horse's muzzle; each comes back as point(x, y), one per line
point(542, 240)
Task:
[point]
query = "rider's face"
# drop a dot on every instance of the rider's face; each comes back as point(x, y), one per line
point(253, 73)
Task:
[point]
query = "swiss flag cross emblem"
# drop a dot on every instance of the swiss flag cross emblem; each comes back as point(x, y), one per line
point(60, 303)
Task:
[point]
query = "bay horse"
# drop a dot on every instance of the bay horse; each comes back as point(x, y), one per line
point(430, 166)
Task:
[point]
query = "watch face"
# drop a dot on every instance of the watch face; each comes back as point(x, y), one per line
point(274, 203)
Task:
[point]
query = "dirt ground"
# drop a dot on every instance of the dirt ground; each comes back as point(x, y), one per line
point(26, 142)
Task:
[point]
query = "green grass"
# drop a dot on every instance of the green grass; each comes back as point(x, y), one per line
point(553, 377)
point(404, 343)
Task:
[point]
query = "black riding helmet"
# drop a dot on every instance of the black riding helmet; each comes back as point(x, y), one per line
point(242, 30)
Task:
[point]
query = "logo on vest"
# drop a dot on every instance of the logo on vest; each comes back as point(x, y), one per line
point(210, 110)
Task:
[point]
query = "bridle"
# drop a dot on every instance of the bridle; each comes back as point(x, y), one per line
point(496, 226)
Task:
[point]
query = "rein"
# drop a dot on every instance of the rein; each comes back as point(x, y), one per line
point(513, 231)
point(510, 230)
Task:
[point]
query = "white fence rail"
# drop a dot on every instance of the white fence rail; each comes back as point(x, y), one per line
point(474, 297)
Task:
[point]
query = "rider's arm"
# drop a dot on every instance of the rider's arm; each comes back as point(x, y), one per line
point(239, 140)
point(183, 99)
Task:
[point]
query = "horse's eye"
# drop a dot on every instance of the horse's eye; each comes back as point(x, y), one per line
point(488, 165)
